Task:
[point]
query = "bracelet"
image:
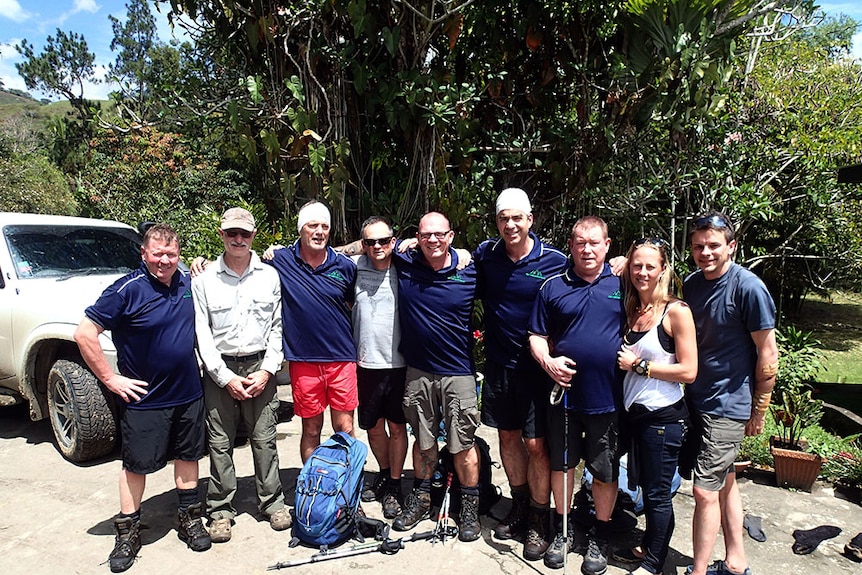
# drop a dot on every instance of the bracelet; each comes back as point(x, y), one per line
point(761, 401)
point(641, 367)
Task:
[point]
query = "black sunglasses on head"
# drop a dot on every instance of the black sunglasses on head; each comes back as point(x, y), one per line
point(713, 221)
point(655, 242)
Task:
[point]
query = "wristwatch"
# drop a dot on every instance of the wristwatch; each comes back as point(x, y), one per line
point(641, 367)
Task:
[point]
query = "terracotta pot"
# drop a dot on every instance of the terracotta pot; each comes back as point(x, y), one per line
point(740, 466)
point(794, 468)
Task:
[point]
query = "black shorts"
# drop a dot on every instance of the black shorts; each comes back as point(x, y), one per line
point(152, 437)
point(515, 399)
point(593, 438)
point(381, 395)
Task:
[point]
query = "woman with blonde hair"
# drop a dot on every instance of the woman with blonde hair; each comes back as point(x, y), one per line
point(659, 355)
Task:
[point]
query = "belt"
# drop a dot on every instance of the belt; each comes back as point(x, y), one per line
point(244, 358)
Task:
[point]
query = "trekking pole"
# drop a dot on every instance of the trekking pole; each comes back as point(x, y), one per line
point(387, 547)
point(556, 398)
point(444, 522)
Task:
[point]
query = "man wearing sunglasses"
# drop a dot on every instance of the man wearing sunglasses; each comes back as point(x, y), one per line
point(239, 328)
point(380, 367)
point(734, 316)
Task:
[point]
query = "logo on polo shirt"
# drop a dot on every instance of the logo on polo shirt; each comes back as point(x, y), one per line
point(188, 294)
point(456, 277)
point(535, 274)
point(336, 275)
point(616, 295)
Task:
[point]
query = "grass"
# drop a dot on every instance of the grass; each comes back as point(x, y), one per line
point(837, 324)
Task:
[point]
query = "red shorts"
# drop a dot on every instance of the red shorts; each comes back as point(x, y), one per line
point(318, 385)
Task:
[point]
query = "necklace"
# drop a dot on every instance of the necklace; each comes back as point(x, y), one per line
point(644, 310)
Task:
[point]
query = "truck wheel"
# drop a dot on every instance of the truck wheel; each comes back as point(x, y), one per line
point(80, 412)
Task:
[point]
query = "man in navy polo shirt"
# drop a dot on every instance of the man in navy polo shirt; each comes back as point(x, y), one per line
point(575, 331)
point(151, 318)
point(317, 284)
point(515, 391)
point(435, 309)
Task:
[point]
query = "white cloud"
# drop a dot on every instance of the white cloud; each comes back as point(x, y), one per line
point(85, 6)
point(12, 9)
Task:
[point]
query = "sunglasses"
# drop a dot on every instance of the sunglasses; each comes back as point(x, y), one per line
point(235, 233)
point(655, 242)
point(371, 242)
point(713, 221)
point(425, 236)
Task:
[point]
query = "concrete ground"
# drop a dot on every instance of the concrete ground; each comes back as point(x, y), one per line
point(56, 517)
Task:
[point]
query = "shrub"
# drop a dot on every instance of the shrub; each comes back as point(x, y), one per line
point(31, 183)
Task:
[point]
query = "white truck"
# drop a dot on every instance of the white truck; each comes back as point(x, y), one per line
point(51, 269)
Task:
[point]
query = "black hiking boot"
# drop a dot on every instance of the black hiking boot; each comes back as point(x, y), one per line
point(127, 544)
point(515, 523)
point(416, 508)
point(537, 539)
point(191, 528)
point(596, 557)
point(373, 491)
point(469, 528)
point(391, 500)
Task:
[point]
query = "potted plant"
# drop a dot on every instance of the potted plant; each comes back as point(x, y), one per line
point(794, 409)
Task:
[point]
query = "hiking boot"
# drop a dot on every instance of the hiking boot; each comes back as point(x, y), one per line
point(374, 491)
point(220, 530)
point(596, 557)
point(536, 541)
point(555, 555)
point(280, 520)
point(515, 522)
point(469, 528)
point(416, 508)
point(391, 502)
point(191, 529)
point(127, 544)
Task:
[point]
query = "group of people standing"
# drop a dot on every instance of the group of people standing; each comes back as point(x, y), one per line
point(388, 331)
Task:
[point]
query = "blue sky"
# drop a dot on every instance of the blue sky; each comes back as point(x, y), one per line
point(35, 20)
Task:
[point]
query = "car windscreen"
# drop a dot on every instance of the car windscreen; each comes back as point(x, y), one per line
point(64, 251)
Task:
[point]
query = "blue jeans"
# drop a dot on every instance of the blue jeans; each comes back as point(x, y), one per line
point(658, 458)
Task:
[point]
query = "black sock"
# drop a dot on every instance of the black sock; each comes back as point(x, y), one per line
point(135, 516)
point(422, 485)
point(470, 490)
point(751, 523)
point(603, 529)
point(187, 497)
point(807, 540)
point(384, 473)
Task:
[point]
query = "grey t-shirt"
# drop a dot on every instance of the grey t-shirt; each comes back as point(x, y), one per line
point(726, 311)
point(376, 329)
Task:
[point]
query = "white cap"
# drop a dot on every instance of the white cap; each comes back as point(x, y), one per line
point(314, 211)
point(514, 199)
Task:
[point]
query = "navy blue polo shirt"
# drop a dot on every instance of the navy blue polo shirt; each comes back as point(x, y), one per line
point(153, 328)
point(436, 311)
point(314, 310)
point(509, 290)
point(584, 321)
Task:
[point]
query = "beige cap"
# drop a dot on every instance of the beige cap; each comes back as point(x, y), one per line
point(237, 219)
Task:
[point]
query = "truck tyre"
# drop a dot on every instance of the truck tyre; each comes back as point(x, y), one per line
point(80, 412)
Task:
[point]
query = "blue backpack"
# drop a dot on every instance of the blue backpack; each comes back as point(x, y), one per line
point(328, 489)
